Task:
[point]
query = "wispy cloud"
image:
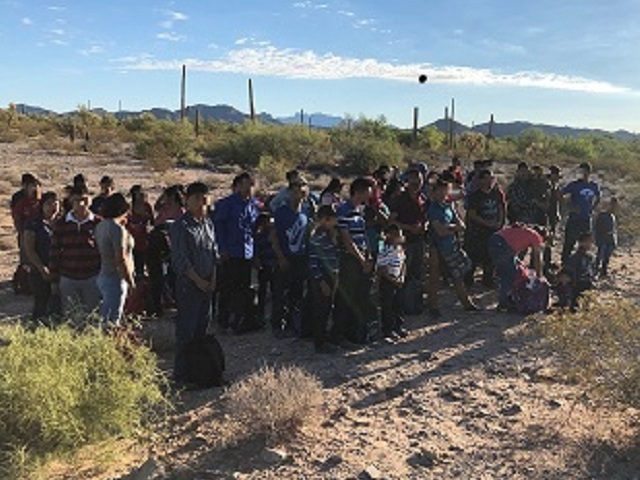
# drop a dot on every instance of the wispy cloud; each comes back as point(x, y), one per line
point(57, 31)
point(56, 8)
point(171, 37)
point(57, 41)
point(297, 64)
point(92, 50)
point(346, 13)
point(311, 5)
point(171, 17)
point(26, 21)
point(504, 47)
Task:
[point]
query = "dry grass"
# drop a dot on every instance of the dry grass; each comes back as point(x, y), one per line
point(275, 403)
point(599, 346)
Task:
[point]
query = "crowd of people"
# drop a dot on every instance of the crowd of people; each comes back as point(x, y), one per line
point(342, 270)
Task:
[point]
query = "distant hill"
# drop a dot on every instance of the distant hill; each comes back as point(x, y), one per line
point(227, 113)
point(318, 120)
point(513, 129)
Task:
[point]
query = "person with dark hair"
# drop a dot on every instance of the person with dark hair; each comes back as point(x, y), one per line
point(394, 189)
point(37, 243)
point(107, 187)
point(456, 171)
point(540, 194)
point(323, 268)
point(382, 175)
point(282, 197)
point(606, 230)
point(25, 209)
point(445, 251)
point(519, 207)
point(170, 206)
point(553, 213)
point(331, 194)
point(194, 257)
point(139, 222)
point(392, 267)
point(485, 216)
point(289, 239)
point(115, 245)
point(408, 212)
point(505, 247)
point(234, 218)
point(581, 267)
point(585, 196)
point(354, 310)
point(75, 261)
point(265, 262)
point(79, 181)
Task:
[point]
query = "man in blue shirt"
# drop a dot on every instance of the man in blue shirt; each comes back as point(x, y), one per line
point(289, 241)
point(354, 310)
point(234, 218)
point(584, 198)
point(194, 257)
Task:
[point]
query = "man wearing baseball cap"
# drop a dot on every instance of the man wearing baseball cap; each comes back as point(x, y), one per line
point(584, 196)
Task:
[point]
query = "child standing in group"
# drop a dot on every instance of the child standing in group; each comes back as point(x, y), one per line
point(606, 237)
point(264, 261)
point(391, 266)
point(581, 268)
point(323, 266)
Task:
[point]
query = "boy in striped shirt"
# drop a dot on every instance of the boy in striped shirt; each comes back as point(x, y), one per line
point(392, 268)
point(323, 268)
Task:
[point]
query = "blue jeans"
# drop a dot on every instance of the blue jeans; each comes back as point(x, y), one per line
point(605, 251)
point(504, 260)
point(194, 314)
point(114, 294)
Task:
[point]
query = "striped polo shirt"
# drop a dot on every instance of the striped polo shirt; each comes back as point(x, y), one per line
point(391, 259)
point(74, 252)
point(351, 218)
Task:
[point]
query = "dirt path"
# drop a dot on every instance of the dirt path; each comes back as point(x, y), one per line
point(471, 396)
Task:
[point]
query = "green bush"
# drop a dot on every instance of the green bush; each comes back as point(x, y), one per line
point(162, 140)
point(369, 144)
point(599, 346)
point(61, 389)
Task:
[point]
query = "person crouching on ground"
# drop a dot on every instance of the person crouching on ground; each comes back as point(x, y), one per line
point(194, 257)
point(115, 245)
point(445, 251)
point(392, 269)
point(581, 268)
point(323, 267)
point(505, 246)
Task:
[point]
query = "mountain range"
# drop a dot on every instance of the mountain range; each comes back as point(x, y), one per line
point(227, 113)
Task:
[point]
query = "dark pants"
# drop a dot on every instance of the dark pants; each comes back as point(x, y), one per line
point(321, 307)
point(266, 275)
point(288, 295)
point(194, 314)
point(414, 284)
point(476, 244)
point(605, 251)
point(43, 302)
point(575, 226)
point(234, 298)
point(161, 281)
point(354, 312)
point(578, 290)
point(504, 259)
point(390, 306)
point(139, 261)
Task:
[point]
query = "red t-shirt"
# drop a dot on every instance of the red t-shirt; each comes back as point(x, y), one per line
point(25, 210)
point(521, 238)
point(137, 224)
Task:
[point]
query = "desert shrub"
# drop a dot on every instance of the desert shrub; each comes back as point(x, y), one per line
point(163, 142)
point(431, 138)
point(599, 346)
point(61, 388)
point(290, 144)
point(271, 169)
point(369, 144)
point(275, 403)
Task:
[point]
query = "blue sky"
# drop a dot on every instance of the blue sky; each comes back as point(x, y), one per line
point(574, 62)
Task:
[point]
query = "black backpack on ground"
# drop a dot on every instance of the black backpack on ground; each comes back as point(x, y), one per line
point(205, 362)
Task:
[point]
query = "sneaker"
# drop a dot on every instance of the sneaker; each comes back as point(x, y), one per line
point(391, 336)
point(401, 332)
point(472, 307)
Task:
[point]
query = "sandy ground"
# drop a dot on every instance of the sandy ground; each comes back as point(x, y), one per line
point(469, 396)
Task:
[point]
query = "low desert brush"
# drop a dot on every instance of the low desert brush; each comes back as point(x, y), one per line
point(61, 388)
point(599, 346)
point(275, 403)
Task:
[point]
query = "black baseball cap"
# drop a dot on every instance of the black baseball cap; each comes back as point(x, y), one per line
point(585, 166)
